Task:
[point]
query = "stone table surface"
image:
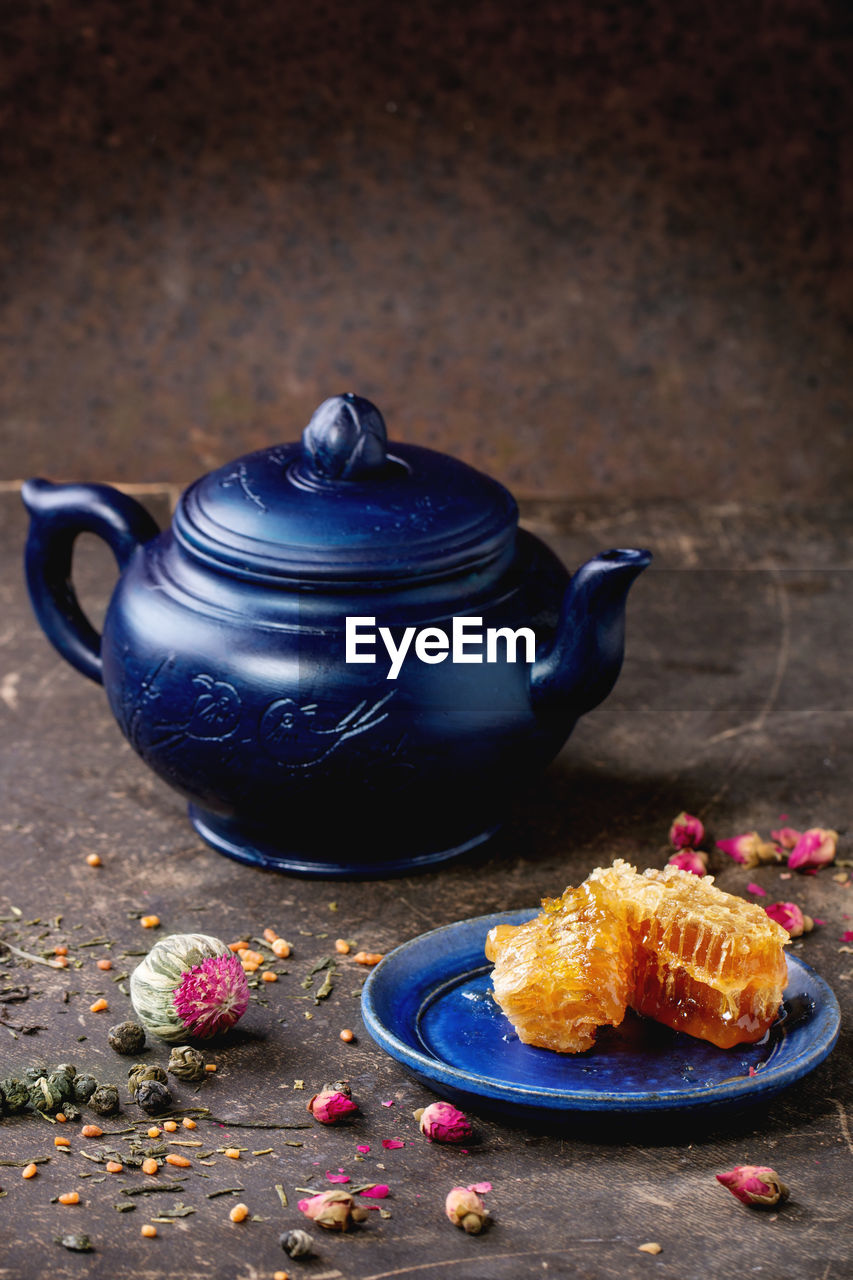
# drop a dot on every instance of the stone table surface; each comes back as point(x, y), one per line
point(735, 702)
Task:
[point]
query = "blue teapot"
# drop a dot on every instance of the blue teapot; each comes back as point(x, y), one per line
point(345, 655)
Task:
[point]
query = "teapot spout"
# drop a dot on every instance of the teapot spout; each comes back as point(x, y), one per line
point(582, 664)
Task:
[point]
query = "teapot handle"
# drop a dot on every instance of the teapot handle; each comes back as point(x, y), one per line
point(59, 512)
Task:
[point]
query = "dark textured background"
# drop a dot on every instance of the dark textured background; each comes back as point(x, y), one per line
point(736, 701)
point(591, 248)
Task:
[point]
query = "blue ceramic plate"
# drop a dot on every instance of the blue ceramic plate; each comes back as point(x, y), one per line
point(428, 1004)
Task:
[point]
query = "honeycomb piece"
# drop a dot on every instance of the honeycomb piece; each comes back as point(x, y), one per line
point(666, 943)
point(706, 962)
point(562, 975)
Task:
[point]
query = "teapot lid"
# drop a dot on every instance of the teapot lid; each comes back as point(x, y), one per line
point(343, 507)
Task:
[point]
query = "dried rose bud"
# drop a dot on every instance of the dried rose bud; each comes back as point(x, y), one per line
point(465, 1209)
point(814, 849)
point(441, 1122)
point(692, 860)
point(331, 1105)
point(338, 1086)
point(789, 915)
point(787, 837)
point(334, 1210)
point(755, 1184)
point(686, 831)
point(749, 849)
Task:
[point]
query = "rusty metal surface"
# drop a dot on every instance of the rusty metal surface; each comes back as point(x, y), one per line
point(590, 248)
point(735, 702)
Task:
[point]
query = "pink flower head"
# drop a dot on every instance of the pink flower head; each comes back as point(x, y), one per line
point(212, 996)
point(789, 915)
point(330, 1105)
point(787, 837)
point(754, 1185)
point(335, 1210)
point(441, 1122)
point(692, 860)
point(814, 849)
point(465, 1209)
point(686, 832)
point(749, 849)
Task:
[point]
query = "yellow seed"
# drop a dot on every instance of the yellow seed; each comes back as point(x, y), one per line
point(269, 976)
point(61, 1118)
point(150, 1165)
point(180, 1162)
point(148, 1230)
point(651, 1247)
point(270, 935)
point(99, 1006)
point(153, 1132)
point(61, 1142)
point(30, 1171)
point(105, 964)
point(59, 963)
point(149, 922)
point(367, 957)
point(239, 945)
point(232, 1153)
point(239, 1213)
point(342, 947)
point(60, 951)
point(93, 860)
point(113, 1166)
point(250, 966)
point(69, 1197)
point(210, 1066)
point(91, 1131)
point(281, 948)
point(170, 1125)
point(347, 1035)
point(188, 1123)
point(281, 1275)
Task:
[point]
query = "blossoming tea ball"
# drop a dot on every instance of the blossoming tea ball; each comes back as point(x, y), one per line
point(189, 984)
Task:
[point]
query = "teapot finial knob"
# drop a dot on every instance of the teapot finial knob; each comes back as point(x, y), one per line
point(346, 438)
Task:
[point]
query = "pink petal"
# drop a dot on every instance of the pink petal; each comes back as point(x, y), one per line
point(786, 836)
point(389, 1103)
point(817, 920)
point(379, 1192)
point(847, 935)
point(392, 1144)
point(480, 1187)
point(756, 888)
point(363, 1149)
point(338, 1177)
